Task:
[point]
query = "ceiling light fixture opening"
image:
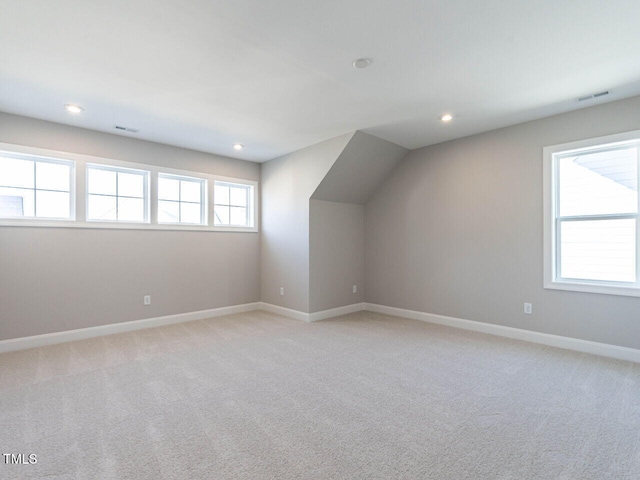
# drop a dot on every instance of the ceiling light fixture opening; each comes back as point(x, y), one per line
point(361, 63)
point(72, 108)
point(447, 117)
point(238, 146)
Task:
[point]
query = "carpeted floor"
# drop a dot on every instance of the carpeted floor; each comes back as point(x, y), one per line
point(363, 396)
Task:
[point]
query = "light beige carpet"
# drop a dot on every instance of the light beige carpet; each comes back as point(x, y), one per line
point(364, 396)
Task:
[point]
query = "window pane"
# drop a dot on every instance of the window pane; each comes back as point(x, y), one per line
point(598, 250)
point(101, 208)
point(52, 176)
point(599, 183)
point(130, 185)
point(11, 206)
point(190, 213)
point(221, 215)
point(16, 173)
point(168, 212)
point(221, 193)
point(16, 202)
point(52, 204)
point(131, 209)
point(238, 216)
point(239, 196)
point(190, 191)
point(102, 181)
point(168, 188)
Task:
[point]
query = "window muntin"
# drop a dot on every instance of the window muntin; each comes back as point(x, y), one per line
point(181, 199)
point(36, 187)
point(233, 204)
point(592, 229)
point(117, 194)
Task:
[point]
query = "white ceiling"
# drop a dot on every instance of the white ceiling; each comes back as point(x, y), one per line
point(276, 75)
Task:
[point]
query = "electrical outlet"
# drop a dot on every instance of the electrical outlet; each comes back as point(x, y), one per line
point(355, 289)
point(281, 290)
point(528, 308)
point(147, 299)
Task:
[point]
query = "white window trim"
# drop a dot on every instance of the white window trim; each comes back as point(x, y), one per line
point(549, 228)
point(253, 208)
point(45, 157)
point(144, 173)
point(204, 203)
point(79, 201)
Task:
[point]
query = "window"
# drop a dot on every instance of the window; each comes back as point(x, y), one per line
point(36, 187)
point(591, 215)
point(117, 194)
point(234, 204)
point(44, 188)
point(181, 199)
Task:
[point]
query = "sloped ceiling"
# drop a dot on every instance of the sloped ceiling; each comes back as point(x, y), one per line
point(361, 167)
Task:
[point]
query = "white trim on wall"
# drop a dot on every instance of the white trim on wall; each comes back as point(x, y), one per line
point(336, 312)
point(312, 317)
point(567, 343)
point(285, 312)
point(103, 330)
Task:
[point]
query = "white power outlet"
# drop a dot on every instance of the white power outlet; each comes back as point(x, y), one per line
point(281, 290)
point(147, 299)
point(355, 289)
point(528, 308)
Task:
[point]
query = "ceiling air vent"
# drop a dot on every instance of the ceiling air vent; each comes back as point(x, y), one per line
point(126, 129)
point(593, 96)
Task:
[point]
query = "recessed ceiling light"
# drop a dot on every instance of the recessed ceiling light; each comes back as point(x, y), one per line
point(238, 146)
point(362, 62)
point(447, 117)
point(73, 108)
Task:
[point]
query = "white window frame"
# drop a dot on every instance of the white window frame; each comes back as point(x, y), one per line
point(80, 197)
point(551, 155)
point(42, 159)
point(118, 169)
point(251, 208)
point(204, 217)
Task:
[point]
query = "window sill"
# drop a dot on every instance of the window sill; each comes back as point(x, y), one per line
point(122, 226)
point(627, 291)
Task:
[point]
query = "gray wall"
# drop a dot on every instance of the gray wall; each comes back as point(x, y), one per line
point(287, 185)
point(457, 231)
point(56, 279)
point(336, 254)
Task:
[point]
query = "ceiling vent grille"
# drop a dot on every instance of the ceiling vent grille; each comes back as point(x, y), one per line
point(126, 129)
point(593, 96)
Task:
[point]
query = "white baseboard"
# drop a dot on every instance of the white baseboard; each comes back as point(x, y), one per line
point(312, 317)
point(336, 312)
point(24, 343)
point(90, 332)
point(285, 312)
point(568, 343)
point(586, 346)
